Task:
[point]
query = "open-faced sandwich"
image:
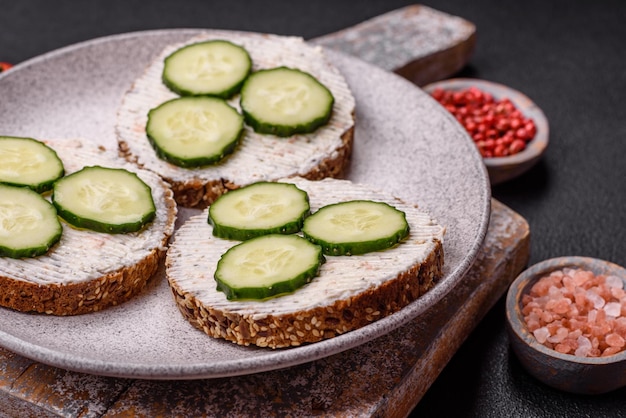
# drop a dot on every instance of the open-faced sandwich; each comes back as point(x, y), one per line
point(80, 228)
point(227, 109)
point(279, 264)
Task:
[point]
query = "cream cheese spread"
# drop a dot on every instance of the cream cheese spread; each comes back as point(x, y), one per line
point(83, 255)
point(192, 257)
point(258, 157)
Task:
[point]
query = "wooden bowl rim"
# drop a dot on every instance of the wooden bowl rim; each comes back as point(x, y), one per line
point(529, 276)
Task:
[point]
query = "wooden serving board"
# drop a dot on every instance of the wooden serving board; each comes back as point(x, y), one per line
point(385, 377)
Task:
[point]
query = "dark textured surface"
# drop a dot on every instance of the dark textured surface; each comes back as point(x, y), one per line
point(568, 56)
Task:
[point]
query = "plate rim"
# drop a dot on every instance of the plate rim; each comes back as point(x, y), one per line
point(235, 367)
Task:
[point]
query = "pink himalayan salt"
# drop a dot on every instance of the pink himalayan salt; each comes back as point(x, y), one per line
point(574, 311)
point(584, 346)
point(615, 340)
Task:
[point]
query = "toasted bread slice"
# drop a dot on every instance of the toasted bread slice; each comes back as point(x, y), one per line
point(349, 292)
point(323, 153)
point(88, 271)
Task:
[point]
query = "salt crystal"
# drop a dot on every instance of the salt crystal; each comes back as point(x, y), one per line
point(562, 305)
point(615, 340)
point(559, 336)
point(613, 309)
point(527, 309)
point(577, 324)
point(575, 334)
point(568, 283)
point(617, 293)
point(581, 277)
point(609, 351)
point(595, 343)
point(614, 281)
point(533, 316)
point(541, 334)
point(562, 348)
point(584, 346)
point(553, 327)
point(532, 324)
point(620, 326)
point(547, 317)
point(598, 332)
point(576, 311)
point(596, 299)
point(579, 297)
point(557, 273)
point(554, 292)
point(540, 288)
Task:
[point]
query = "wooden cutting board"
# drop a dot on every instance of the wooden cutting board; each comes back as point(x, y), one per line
point(386, 377)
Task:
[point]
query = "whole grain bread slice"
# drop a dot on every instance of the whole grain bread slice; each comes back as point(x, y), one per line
point(350, 291)
point(323, 153)
point(88, 271)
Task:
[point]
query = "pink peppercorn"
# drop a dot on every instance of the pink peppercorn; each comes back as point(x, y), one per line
point(4, 66)
point(488, 120)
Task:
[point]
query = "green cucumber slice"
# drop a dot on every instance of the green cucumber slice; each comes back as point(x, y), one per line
point(111, 200)
point(356, 227)
point(285, 101)
point(29, 225)
point(267, 266)
point(194, 131)
point(259, 209)
point(29, 162)
point(212, 68)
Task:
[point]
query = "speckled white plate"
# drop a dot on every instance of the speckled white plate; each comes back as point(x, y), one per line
point(405, 143)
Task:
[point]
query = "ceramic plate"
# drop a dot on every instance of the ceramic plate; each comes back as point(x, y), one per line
point(404, 143)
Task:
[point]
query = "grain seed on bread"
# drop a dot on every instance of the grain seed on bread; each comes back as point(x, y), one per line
point(323, 153)
point(350, 291)
point(88, 271)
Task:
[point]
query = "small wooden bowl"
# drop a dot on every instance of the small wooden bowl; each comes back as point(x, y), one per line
point(502, 169)
point(570, 373)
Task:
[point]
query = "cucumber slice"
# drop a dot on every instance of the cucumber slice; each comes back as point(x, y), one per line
point(267, 266)
point(284, 101)
point(194, 131)
point(28, 162)
point(259, 209)
point(212, 68)
point(29, 225)
point(111, 200)
point(356, 227)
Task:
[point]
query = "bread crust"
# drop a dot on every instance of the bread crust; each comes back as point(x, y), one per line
point(313, 325)
point(258, 157)
point(54, 292)
point(199, 193)
point(349, 292)
point(95, 295)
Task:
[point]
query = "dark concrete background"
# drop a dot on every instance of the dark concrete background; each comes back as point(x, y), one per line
point(568, 56)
